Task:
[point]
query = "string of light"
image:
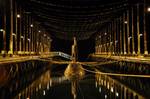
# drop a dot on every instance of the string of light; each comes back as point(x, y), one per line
point(117, 74)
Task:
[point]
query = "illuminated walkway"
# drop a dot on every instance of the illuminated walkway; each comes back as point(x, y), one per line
point(138, 59)
point(14, 59)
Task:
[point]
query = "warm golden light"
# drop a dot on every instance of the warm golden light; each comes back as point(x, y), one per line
point(148, 9)
point(22, 37)
point(31, 25)
point(1, 30)
point(74, 71)
point(14, 34)
point(18, 16)
point(125, 22)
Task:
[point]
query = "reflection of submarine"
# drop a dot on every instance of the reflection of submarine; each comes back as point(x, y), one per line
point(74, 70)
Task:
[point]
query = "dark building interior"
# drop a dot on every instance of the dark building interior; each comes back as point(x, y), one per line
point(75, 49)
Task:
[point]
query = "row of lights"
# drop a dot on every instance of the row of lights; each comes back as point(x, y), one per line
point(49, 84)
point(31, 25)
point(19, 16)
point(125, 22)
point(111, 89)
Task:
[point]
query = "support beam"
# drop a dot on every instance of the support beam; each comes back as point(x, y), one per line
point(145, 32)
point(20, 31)
point(113, 43)
point(110, 40)
point(128, 31)
point(124, 32)
point(121, 48)
point(10, 52)
point(133, 42)
point(114, 36)
point(3, 29)
point(16, 30)
point(138, 31)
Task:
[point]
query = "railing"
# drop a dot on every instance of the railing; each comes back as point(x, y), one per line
point(64, 55)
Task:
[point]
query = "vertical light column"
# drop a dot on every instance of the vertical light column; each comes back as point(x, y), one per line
point(20, 31)
point(113, 42)
point(3, 28)
point(111, 36)
point(125, 93)
point(16, 30)
point(138, 30)
point(100, 44)
point(95, 45)
point(27, 31)
point(10, 52)
point(121, 92)
point(114, 36)
point(124, 32)
point(32, 35)
point(117, 36)
point(43, 42)
point(128, 31)
point(133, 44)
point(114, 84)
point(110, 42)
point(121, 52)
point(23, 35)
point(38, 42)
point(34, 39)
point(29, 37)
point(3, 52)
point(145, 33)
point(50, 45)
point(106, 44)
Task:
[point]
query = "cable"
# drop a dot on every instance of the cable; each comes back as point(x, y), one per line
point(114, 74)
point(102, 63)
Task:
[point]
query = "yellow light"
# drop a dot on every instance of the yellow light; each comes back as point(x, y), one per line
point(117, 94)
point(105, 96)
point(22, 37)
point(31, 25)
point(100, 89)
point(148, 9)
point(44, 92)
point(1, 30)
point(112, 90)
point(18, 16)
point(125, 22)
point(14, 34)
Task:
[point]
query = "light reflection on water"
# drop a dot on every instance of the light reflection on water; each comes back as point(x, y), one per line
point(53, 84)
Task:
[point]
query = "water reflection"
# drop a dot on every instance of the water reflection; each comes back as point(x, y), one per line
point(116, 90)
point(40, 85)
point(72, 82)
point(74, 72)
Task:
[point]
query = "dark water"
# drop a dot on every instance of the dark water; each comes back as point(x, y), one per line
point(51, 84)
